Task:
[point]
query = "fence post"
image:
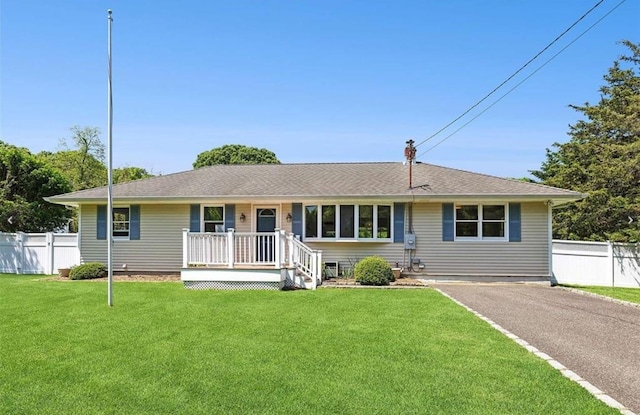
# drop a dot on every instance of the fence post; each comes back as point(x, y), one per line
point(231, 252)
point(185, 247)
point(19, 252)
point(612, 263)
point(49, 267)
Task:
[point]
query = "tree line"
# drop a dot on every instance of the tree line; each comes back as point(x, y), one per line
point(26, 178)
point(601, 158)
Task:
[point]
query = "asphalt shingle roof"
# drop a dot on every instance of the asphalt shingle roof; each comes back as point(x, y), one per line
point(319, 180)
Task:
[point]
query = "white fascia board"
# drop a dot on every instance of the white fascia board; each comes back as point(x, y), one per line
point(556, 200)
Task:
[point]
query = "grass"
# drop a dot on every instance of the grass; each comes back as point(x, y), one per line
point(163, 349)
point(627, 294)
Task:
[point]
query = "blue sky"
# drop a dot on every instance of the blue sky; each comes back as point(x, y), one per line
point(313, 81)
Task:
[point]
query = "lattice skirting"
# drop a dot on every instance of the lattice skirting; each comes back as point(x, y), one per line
point(233, 285)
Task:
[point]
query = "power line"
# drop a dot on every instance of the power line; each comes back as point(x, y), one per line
point(523, 81)
point(512, 75)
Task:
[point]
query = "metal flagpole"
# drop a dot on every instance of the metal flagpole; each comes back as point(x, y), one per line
point(110, 167)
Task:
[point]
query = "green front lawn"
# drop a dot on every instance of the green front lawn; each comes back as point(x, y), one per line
point(627, 294)
point(163, 349)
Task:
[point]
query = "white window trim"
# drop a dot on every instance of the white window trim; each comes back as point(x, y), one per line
point(202, 221)
point(481, 238)
point(113, 223)
point(356, 221)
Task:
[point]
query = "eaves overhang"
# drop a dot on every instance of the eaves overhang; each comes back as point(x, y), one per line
point(554, 199)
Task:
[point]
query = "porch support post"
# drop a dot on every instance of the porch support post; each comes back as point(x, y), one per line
point(318, 270)
point(185, 247)
point(290, 242)
point(231, 253)
point(283, 248)
point(277, 242)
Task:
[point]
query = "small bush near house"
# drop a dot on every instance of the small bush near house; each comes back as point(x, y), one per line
point(373, 270)
point(88, 271)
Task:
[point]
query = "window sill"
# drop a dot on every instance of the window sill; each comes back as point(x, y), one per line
point(481, 240)
point(348, 240)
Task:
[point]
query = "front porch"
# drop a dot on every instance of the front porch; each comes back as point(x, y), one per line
point(248, 260)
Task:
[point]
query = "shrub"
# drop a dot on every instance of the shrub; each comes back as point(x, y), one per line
point(88, 271)
point(373, 270)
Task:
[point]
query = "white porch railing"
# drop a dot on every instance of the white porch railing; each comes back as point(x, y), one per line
point(308, 261)
point(234, 249)
point(206, 249)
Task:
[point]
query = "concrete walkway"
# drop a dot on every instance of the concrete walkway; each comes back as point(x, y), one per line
point(596, 338)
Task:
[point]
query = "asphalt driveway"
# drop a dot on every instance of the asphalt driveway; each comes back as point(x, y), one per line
point(596, 338)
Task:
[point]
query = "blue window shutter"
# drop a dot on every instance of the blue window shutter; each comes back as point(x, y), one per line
point(515, 222)
point(134, 222)
point(229, 217)
point(398, 222)
point(296, 219)
point(194, 221)
point(448, 231)
point(101, 230)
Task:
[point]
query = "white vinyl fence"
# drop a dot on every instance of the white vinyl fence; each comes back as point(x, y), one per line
point(38, 253)
point(596, 263)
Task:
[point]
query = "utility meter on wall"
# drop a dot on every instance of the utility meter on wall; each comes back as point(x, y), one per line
point(410, 241)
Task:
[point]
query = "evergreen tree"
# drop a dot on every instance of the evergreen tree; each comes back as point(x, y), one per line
point(602, 158)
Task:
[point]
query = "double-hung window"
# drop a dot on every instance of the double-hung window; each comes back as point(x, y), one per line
point(348, 222)
point(213, 219)
point(121, 222)
point(480, 222)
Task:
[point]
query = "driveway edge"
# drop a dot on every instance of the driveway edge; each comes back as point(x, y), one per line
point(603, 297)
point(568, 373)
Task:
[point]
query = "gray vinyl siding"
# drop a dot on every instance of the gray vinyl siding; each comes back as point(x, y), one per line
point(528, 257)
point(351, 252)
point(158, 249)
point(160, 244)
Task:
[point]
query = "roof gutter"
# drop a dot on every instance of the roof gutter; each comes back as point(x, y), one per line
point(555, 199)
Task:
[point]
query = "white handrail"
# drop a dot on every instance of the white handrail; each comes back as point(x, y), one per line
point(307, 260)
point(253, 249)
point(232, 248)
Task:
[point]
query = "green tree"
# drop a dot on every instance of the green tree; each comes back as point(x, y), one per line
point(81, 158)
point(235, 154)
point(127, 174)
point(83, 171)
point(24, 181)
point(602, 158)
